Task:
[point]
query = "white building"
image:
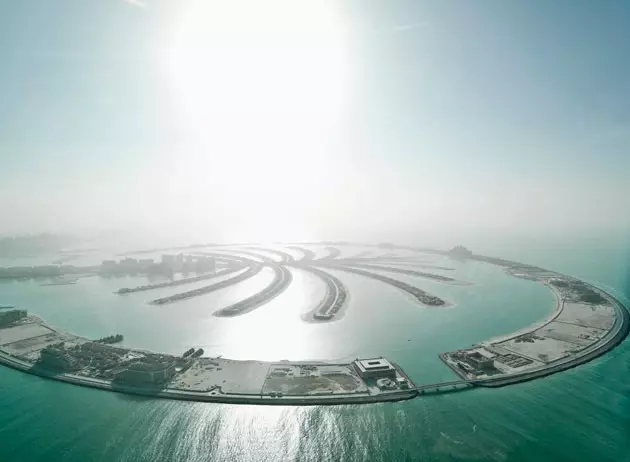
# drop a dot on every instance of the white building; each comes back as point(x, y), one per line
point(375, 368)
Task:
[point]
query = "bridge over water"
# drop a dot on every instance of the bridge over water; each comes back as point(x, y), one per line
point(443, 387)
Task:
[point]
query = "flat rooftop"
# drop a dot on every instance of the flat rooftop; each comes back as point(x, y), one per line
point(374, 364)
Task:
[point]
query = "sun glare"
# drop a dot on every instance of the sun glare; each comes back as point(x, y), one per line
point(277, 60)
point(258, 86)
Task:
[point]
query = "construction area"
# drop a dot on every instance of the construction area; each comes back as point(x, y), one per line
point(29, 344)
point(584, 319)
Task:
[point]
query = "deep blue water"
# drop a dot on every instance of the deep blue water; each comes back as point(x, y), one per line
point(581, 414)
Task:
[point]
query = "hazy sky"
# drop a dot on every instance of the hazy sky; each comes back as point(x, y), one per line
point(289, 119)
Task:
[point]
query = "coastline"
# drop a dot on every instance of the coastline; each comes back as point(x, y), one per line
point(537, 325)
point(586, 355)
point(617, 332)
point(580, 354)
point(13, 363)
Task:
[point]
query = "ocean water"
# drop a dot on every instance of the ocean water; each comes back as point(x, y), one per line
point(580, 414)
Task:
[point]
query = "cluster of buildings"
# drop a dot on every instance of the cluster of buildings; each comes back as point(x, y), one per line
point(102, 359)
point(577, 291)
point(28, 272)
point(9, 317)
point(147, 371)
point(169, 264)
point(382, 372)
point(104, 362)
point(472, 363)
point(459, 251)
point(56, 357)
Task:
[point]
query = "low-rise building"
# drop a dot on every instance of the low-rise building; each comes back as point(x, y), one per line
point(479, 361)
point(375, 368)
point(386, 383)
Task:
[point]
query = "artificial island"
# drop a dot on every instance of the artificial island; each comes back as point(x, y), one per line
point(586, 323)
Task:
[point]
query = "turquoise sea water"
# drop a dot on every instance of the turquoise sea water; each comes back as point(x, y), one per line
point(581, 414)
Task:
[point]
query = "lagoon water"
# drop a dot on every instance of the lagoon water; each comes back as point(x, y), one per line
point(581, 414)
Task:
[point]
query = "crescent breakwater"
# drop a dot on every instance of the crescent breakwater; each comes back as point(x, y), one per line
point(587, 322)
